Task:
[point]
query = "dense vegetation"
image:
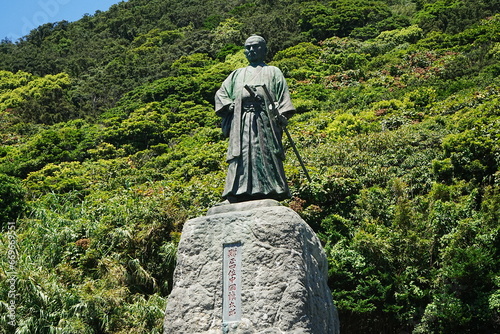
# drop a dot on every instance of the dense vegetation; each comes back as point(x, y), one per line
point(110, 142)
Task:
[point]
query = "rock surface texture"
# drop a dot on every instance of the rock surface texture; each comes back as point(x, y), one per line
point(283, 274)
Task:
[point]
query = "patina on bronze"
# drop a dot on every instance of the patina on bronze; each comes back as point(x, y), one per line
point(275, 113)
point(255, 153)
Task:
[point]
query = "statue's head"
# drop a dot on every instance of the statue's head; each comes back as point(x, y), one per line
point(255, 49)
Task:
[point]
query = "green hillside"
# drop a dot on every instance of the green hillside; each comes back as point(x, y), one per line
point(110, 142)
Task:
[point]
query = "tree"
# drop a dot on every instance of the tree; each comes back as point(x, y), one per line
point(12, 201)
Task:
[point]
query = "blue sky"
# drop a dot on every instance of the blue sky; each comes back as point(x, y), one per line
point(18, 17)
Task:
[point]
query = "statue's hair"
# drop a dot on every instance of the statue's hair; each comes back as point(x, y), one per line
point(257, 37)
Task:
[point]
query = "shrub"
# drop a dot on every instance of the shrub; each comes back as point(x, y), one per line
point(12, 201)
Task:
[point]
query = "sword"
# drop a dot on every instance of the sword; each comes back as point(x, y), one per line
point(276, 114)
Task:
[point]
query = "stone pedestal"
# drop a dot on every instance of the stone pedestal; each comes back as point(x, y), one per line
point(260, 260)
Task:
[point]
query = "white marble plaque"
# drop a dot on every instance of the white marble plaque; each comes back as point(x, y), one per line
point(231, 302)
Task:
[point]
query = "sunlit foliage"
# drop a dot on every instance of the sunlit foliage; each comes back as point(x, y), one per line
point(110, 142)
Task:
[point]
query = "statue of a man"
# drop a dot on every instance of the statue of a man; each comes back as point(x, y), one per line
point(255, 153)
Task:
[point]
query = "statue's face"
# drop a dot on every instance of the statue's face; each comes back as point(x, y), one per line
point(255, 50)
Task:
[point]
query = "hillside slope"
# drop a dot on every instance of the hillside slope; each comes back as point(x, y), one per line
point(110, 142)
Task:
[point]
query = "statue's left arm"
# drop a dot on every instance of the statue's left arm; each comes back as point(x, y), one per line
point(282, 94)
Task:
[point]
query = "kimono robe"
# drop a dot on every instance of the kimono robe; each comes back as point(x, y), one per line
point(255, 153)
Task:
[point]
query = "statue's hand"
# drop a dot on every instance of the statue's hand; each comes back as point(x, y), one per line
point(276, 106)
point(231, 108)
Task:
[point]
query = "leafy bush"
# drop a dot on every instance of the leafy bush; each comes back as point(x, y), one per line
point(12, 201)
point(42, 100)
point(64, 142)
point(398, 125)
point(341, 18)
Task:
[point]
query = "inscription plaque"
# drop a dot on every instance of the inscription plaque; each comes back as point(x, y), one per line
point(231, 302)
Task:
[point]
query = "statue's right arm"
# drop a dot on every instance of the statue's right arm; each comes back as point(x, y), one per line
point(224, 103)
point(225, 110)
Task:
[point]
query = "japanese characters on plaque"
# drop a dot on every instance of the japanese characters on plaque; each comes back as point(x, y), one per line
point(231, 302)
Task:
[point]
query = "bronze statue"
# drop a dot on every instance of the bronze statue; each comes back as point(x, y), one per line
point(254, 104)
